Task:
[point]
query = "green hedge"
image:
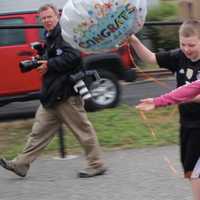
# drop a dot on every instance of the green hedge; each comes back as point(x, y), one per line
point(159, 38)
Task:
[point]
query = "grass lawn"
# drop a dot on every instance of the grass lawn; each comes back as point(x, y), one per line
point(122, 127)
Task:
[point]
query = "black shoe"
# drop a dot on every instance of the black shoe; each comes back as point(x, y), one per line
point(9, 165)
point(91, 172)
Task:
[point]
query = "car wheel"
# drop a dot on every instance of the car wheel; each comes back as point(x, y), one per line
point(105, 92)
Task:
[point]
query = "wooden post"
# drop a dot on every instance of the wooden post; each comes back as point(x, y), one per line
point(197, 9)
point(189, 9)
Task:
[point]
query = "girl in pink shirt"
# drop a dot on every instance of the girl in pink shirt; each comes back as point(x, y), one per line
point(182, 94)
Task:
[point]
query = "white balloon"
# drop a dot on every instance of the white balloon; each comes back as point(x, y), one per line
point(99, 25)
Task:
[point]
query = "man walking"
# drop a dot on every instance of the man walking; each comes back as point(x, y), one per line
point(59, 102)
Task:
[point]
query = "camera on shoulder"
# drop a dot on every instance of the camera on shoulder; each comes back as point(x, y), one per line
point(79, 84)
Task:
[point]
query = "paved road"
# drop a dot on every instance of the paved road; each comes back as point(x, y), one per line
point(131, 93)
point(133, 175)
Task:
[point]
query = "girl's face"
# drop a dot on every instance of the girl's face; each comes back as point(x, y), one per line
point(190, 47)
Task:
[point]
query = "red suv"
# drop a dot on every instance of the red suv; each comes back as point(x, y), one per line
point(15, 47)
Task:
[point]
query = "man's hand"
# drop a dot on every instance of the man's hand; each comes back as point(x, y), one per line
point(146, 104)
point(42, 69)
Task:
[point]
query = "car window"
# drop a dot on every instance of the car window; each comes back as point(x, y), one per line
point(41, 30)
point(11, 36)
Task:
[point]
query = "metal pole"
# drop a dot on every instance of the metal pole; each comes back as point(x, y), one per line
point(61, 142)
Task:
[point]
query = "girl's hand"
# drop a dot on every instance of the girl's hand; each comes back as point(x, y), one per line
point(146, 104)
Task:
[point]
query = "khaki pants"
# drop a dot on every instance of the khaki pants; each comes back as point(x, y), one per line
point(47, 123)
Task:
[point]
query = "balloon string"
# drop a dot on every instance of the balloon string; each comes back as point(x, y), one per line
point(173, 112)
point(164, 85)
point(166, 159)
point(144, 118)
point(171, 167)
point(144, 74)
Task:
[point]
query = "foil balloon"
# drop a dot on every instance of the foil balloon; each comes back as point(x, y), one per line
point(100, 25)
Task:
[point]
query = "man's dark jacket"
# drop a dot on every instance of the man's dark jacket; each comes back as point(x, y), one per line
point(63, 60)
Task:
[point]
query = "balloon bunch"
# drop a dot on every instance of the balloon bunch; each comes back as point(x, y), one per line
point(99, 25)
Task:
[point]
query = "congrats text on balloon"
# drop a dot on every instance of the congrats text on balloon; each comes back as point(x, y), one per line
point(104, 25)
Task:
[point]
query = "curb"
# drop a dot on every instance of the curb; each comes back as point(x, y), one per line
point(170, 78)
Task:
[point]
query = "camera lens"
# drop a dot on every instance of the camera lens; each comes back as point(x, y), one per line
point(82, 89)
point(28, 65)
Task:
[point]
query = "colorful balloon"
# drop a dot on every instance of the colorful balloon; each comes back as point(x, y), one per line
point(99, 25)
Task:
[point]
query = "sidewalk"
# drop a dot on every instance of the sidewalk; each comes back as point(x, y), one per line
point(141, 174)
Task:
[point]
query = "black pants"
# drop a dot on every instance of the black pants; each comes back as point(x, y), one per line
point(189, 148)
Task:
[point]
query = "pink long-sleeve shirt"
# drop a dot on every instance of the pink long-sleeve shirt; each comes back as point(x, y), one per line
point(180, 95)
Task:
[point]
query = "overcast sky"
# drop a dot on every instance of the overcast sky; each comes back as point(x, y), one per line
point(29, 5)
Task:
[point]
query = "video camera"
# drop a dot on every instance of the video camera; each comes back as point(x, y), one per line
point(28, 65)
point(77, 78)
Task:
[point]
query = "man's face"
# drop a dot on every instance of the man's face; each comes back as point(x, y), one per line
point(190, 47)
point(49, 19)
